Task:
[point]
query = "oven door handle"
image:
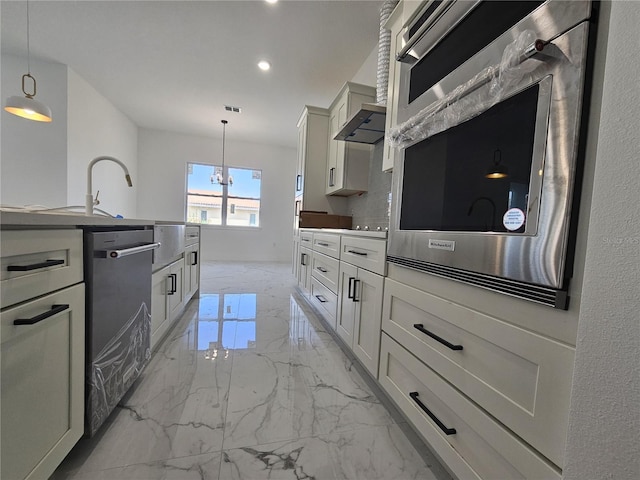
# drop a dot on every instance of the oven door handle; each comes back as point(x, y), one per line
point(403, 55)
point(132, 251)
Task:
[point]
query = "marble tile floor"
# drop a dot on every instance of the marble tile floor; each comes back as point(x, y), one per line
point(250, 385)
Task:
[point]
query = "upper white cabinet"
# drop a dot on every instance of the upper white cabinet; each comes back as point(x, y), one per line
point(313, 131)
point(394, 24)
point(348, 163)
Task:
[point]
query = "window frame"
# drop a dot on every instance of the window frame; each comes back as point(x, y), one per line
point(225, 197)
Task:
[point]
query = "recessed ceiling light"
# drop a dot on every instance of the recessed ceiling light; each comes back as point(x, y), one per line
point(264, 65)
point(271, 1)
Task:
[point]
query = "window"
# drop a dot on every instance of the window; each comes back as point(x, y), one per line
point(210, 203)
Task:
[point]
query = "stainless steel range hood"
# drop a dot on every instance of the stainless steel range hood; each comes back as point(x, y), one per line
point(365, 126)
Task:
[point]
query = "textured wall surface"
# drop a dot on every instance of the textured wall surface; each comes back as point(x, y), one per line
point(604, 422)
point(372, 208)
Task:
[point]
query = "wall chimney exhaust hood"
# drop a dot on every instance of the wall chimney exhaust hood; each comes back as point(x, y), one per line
point(365, 126)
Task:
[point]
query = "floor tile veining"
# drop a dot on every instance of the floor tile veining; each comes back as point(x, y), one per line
point(249, 385)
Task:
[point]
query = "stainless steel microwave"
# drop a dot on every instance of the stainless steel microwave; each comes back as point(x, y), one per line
point(490, 114)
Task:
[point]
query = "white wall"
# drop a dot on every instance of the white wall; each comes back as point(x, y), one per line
point(163, 157)
point(604, 421)
point(98, 128)
point(34, 155)
point(367, 74)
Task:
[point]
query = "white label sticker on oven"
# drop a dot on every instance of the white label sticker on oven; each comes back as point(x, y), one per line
point(513, 219)
point(443, 245)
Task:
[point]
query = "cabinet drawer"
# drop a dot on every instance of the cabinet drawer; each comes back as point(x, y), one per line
point(306, 239)
point(42, 383)
point(36, 262)
point(480, 448)
point(521, 378)
point(325, 300)
point(327, 243)
point(325, 269)
point(366, 253)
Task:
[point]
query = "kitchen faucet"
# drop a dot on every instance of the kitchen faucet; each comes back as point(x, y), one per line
point(89, 202)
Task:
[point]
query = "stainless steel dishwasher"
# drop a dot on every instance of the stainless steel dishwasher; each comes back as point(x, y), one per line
point(118, 320)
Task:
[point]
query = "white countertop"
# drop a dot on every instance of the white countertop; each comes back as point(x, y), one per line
point(344, 231)
point(28, 219)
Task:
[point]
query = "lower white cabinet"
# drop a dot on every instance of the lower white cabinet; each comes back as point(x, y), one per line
point(468, 440)
point(167, 298)
point(304, 269)
point(42, 375)
point(192, 271)
point(360, 313)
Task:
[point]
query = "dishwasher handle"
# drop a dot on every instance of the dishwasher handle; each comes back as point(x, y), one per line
point(132, 251)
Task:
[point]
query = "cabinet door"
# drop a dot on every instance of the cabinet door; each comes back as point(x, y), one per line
point(192, 271)
point(160, 287)
point(346, 304)
point(389, 153)
point(302, 143)
point(176, 294)
point(335, 161)
point(332, 158)
point(367, 292)
point(42, 391)
point(295, 255)
point(304, 272)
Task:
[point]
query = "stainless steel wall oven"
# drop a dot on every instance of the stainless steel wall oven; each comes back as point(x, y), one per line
point(490, 117)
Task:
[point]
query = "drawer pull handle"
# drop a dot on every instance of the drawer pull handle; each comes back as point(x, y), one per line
point(423, 407)
point(322, 269)
point(349, 294)
point(34, 266)
point(356, 281)
point(38, 318)
point(419, 326)
point(174, 283)
point(323, 244)
point(195, 258)
point(303, 257)
point(321, 299)
point(363, 254)
point(298, 183)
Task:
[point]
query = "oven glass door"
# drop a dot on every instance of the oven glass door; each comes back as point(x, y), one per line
point(480, 175)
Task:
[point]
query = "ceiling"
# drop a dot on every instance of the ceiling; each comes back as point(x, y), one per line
point(174, 65)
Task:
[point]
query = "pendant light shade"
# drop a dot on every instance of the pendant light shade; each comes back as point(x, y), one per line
point(497, 170)
point(27, 106)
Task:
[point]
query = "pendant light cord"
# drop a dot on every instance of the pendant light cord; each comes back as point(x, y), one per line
point(28, 49)
point(224, 128)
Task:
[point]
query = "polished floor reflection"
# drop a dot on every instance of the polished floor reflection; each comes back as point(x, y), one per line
point(250, 385)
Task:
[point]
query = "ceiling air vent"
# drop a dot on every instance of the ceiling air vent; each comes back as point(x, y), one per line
point(229, 108)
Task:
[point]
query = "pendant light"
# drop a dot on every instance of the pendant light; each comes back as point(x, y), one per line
point(497, 170)
point(219, 177)
point(28, 107)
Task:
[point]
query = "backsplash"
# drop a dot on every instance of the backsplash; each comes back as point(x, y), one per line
point(372, 208)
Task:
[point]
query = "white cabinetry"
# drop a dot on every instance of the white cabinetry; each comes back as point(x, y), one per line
point(313, 132)
point(167, 298)
point(503, 388)
point(303, 271)
point(342, 275)
point(360, 297)
point(394, 24)
point(191, 262)
point(42, 345)
point(470, 442)
point(192, 271)
point(324, 274)
point(348, 163)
